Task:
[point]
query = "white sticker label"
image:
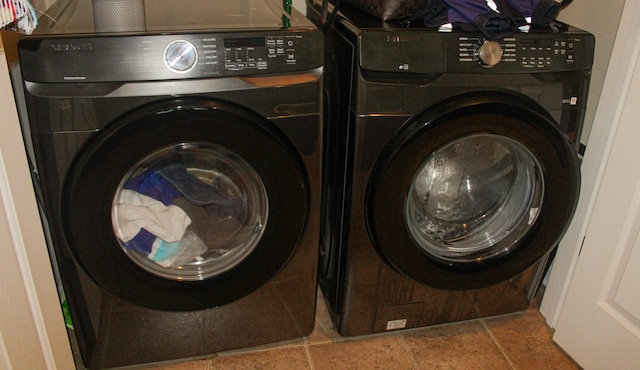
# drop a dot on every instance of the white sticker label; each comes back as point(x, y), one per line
point(396, 324)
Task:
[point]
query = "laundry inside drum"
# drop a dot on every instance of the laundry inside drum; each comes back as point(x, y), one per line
point(190, 211)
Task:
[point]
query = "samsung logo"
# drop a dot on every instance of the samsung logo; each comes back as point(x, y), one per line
point(403, 38)
point(64, 47)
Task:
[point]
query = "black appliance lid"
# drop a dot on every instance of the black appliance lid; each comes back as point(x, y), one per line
point(154, 16)
point(358, 21)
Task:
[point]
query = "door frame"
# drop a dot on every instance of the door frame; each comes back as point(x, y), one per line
point(105, 160)
point(520, 120)
point(622, 64)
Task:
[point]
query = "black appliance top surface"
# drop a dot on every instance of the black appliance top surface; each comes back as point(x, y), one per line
point(395, 47)
point(82, 41)
point(162, 16)
point(358, 21)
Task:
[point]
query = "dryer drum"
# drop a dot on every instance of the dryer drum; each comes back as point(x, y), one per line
point(470, 195)
point(472, 191)
point(185, 204)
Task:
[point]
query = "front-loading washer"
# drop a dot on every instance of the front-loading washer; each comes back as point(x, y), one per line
point(453, 170)
point(178, 165)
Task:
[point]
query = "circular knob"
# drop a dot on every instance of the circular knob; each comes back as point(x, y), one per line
point(490, 53)
point(180, 56)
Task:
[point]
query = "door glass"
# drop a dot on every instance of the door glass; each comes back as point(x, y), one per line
point(470, 195)
point(190, 211)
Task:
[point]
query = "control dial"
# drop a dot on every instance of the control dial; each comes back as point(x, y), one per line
point(180, 56)
point(490, 53)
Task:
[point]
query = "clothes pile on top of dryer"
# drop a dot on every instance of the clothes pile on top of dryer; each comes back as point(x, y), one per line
point(494, 18)
point(172, 218)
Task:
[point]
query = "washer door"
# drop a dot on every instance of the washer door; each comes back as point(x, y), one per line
point(185, 204)
point(473, 191)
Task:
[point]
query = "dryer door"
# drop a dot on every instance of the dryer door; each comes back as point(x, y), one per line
point(473, 191)
point(185, 204)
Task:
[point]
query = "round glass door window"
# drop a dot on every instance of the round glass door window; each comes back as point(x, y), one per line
point(190, 212)
point(473, 199)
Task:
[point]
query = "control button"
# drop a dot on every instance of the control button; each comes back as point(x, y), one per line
point(180, 56)
point(490, 53)
point(570, 58)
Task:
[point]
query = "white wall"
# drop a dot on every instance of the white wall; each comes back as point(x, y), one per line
point(601, 18)
point(300, 5)
point(32, 331)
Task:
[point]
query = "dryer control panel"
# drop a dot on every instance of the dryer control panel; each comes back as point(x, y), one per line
point(168, 57)
point(540, 52)
point(420, 51)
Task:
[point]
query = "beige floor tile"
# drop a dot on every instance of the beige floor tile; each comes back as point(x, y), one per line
point(465, 345)
point(527, 341)
point(523, 341)
point(385, 352)
point(181, 365)
point(323, 331)
point(290, 358)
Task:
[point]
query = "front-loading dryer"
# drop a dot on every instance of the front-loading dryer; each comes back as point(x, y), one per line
point(178, 163)
point(453, 170)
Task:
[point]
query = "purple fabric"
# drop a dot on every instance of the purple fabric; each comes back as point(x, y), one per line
point(153, 185)
point(199, 193)
point(142, 242)
point(542, 12)
point(493, 24)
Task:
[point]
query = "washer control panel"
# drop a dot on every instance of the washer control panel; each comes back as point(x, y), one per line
point(166, 57)
point(242, 54)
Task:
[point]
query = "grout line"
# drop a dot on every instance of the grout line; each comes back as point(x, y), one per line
point(495, 340)
point(308, 354)
point(414, 364)
point(293, 343)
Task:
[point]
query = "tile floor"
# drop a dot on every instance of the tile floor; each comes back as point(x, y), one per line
point(515, 341)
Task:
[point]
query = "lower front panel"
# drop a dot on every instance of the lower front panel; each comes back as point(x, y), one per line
point(392, 301)
point(126, 334)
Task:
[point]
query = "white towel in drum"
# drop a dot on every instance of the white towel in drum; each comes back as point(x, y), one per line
point(135, 211)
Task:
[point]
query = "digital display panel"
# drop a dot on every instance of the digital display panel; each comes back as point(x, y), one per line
point(241, 42)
